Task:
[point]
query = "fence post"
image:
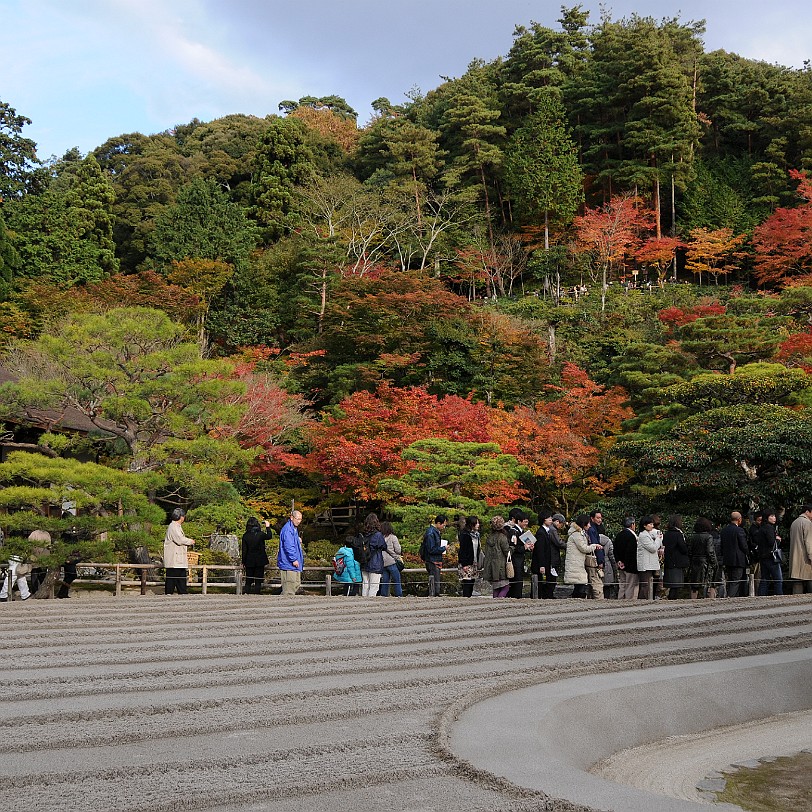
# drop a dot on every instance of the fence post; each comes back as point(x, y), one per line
point(534, 586)
point(751, 584)
point(143, 573)
point(205, 589)
point(238, 578)
point(328, 585)
point(118, 580)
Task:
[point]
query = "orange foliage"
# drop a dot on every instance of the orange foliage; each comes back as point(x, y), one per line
point(328, 124)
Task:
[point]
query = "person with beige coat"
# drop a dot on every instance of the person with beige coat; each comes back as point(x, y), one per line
point(176, 559)
point(578, 548)
point(800, 552)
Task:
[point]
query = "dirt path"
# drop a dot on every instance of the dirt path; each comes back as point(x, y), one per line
point(259, 703)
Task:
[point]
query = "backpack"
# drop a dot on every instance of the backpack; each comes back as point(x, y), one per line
point(362, 551)
point(423, 552)
point(339, 564)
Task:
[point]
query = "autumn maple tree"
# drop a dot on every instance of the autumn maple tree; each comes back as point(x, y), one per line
point(658, 253)
point(783, 242)
point(609, 234)
point(712, 252)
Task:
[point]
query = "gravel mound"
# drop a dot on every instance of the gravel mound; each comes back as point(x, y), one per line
point(252, 702)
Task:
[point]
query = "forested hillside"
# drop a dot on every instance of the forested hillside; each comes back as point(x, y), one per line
point(578, 275)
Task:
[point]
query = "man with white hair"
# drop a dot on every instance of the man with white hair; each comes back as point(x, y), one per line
point(290, 560)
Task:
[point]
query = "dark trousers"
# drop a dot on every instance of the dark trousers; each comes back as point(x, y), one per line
point(579, 591)
point(467, 588)
point(433, 569)
point(176, 580)
point(254, 576)
point(736, 582)
point(517, 582)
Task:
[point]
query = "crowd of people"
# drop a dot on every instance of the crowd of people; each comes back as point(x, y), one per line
point(641, 561)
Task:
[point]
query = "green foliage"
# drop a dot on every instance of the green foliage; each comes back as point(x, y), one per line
point(18, 154)
point(203, 224)
point(36, 487)
point(283, 163)
point(65, 234)
point(468, 478)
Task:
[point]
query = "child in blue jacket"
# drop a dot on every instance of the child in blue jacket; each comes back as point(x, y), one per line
point(352, 569)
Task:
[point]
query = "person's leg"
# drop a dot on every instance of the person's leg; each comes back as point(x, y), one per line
point(579, 591)
point(501, 592)
point(467, 588)
point(169, 580)
point(22, 585)
point(183, 576)
point(290, 582)
point(435, 573)
point(365, 582)
point(595, 583)
point(397, 581)
point(386, 578)
point(632, 586)
point(762, 581)
point(374, 583)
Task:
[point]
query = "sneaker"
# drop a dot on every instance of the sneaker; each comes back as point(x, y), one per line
point(29, 595)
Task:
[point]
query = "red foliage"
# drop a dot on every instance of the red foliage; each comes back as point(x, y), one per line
point(676, 317)
point(271, 419)
point(356, 449)
point(796, 351)
point(783, 242)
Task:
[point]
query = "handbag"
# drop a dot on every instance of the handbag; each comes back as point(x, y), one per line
point(399, 562)
point(591, 560)
point(510, 572)
point(778, 555)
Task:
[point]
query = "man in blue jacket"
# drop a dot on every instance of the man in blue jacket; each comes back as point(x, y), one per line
point(433, 551)
point(290, 560)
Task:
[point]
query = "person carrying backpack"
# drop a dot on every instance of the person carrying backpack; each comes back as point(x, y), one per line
point(372, 561)
point(346, 569)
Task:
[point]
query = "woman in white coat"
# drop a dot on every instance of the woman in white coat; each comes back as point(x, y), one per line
point(648, 557)
point(578, 548)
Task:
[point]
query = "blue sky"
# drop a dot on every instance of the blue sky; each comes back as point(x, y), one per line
point(87, 70)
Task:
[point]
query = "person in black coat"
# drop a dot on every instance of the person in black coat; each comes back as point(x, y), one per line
point(515, 527)
point(544, 554)
point(676, 558)
point(735, 555)
point(769, 545)
point(254, 554)
point(625, 545)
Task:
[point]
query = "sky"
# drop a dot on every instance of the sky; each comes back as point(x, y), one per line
point(86, 70)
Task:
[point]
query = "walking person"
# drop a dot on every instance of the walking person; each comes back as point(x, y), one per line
point(545, 557)
point(578, 548)
point(626, 557)
point(350, 572)
point(514, 528)
point(800, 552)
point(290, 560)
point(176, 559)
point(735, 555)
point(676, 558)
point(254, 555)
point(392, 562)
point(610, 579)
point(648, 557)
point(372, 566)
point(497, 550)
point(703, 560)
point(468, 556)
point(595, 563)
point(432, 551)
point(770, 556)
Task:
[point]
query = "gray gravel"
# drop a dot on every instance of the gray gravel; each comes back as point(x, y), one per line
point(255, 702)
